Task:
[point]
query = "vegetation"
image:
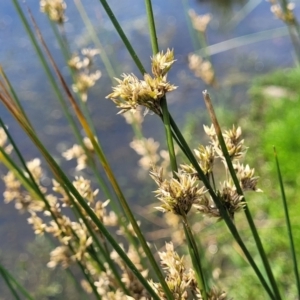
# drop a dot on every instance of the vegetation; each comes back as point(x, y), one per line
point(215, 235)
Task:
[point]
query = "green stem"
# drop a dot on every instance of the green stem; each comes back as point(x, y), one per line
point(90, 28)
point(122, 35)
point(189, 24)
point(87, 277)
point(223, 213)
point(8, 283)
point(31, 186)
point(129, 214)
point(58, 92)
point(13, 92)
point(293, 28)
point(193, 250)
point(47, 70)
point(164, 105)
point(151, 23)
point(91, 163)
point(168, 131)
point(288, 223)
point(9, 279)
point(40, 194)
point(240, 192)
point(102, 158)
point(295, 37)
point(64, 181)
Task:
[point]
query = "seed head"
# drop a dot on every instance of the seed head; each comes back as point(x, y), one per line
point(55, 9)
point(84, 81)
point(162, 63)
point(177, 194)
point(200, 22)
point(202, 68)
point(246, 176)
point(287, 16)
point(147, 148)
point(134, 92)
point(230, 199)
point(205, 157)
point(232, 138)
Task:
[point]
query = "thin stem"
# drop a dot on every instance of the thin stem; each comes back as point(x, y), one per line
point(87, 277)
point(122, 35)
point(288, 223)
point(192, 246)
point(163, 101)
point(251, 223)
point(12, 91)
point(47, 70)
point(59, 94)
point(8, 283)
point(91, 163)
point(90, 28)
point(151, 23)
point(7, 278)
point(64, 181)
point(189, 24)
point(291, 22)
point(219, 205)
point(168, 131)
point(31, 185)
point(106, 166)
point(107, 169)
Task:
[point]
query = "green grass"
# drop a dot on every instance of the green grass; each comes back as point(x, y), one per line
point(274, 121)
point(278, 121)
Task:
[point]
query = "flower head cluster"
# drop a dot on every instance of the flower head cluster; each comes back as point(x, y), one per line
point(78, 63)
point(286, 16)
point(130, 281)
point(15, 193)
point(147, 148)
point(246, 176)
point(84, 78)
point(55, 9)
point(230, 199)
point(134, 117)
point(84, 82)
point(199, 22)
point(206, 156)
point(132, 92)
point(162, 63)
point(181, 282)
point(234, 143)
point(202, 68)
point(78, 153)
point(75, 241)
point(177, 194)
point(3, 142)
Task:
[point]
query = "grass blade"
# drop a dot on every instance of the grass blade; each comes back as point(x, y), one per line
point(10, 281)
point(288, 223)
point(227, 219)
point(252, 226)
point(122, 35)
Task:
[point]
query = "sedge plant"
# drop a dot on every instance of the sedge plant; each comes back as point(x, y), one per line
point(85, 227)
